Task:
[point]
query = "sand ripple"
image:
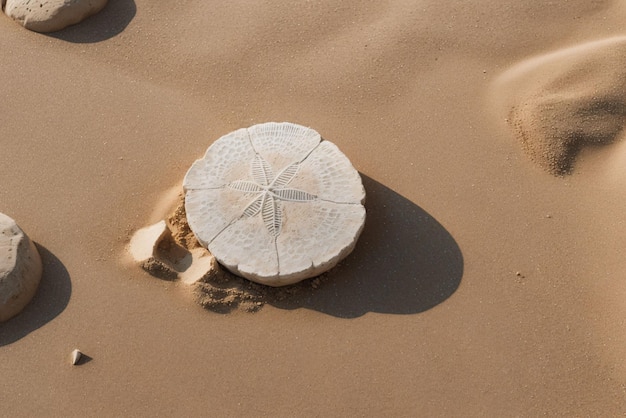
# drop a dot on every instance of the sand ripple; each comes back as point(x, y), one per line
point(564, 101)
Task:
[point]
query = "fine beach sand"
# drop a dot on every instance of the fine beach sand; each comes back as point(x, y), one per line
point(489, 279)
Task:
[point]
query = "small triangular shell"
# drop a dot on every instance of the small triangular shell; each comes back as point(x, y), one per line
point(76, 355)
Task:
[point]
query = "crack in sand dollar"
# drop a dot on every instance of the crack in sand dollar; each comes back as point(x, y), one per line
point(275, 229)
point(270, 193)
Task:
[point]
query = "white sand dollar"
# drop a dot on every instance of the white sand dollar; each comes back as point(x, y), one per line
point(20, 268)
point(275, 203)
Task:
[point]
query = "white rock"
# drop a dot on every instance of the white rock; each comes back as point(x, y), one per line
point(20, 268)
point(275, 203)
point(51, 15)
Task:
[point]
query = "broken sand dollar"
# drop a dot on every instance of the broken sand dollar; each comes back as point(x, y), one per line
point(20, 268)
point(275, 203)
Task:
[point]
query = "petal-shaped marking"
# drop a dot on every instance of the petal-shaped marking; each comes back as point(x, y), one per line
point(283, 143)
point(294, 195)
point(245, 186)
point(262, 172)
point(286, 175)
point(272, 215)
point(255, 206)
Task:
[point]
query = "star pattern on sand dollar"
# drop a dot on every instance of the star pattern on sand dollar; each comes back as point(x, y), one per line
point(270, 190)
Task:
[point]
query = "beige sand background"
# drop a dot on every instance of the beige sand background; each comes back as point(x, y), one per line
point(482, 284)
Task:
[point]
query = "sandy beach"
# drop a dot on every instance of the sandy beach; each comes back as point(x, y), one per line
point(489, 279)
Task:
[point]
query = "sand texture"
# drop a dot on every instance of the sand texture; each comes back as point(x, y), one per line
point(489, 278)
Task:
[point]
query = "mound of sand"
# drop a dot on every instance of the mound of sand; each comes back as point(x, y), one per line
point(566, 100)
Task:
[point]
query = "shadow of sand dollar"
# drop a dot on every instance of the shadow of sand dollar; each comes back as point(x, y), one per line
point(51, 298)
point(105, 24)
point(566, 100)
point(404, 263)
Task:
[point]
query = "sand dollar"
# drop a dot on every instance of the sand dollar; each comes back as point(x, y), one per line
point(20, 268)
point(275, 203)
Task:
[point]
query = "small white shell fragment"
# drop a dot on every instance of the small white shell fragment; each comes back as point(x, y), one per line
point(76, 355)
point(20, 268)
point(201, 264)
point(145, 241)
point(275, 203)
point(173, 263)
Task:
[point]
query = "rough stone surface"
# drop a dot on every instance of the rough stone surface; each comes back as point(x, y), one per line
point(51, 15)
point(20, 268)
point(275, 203)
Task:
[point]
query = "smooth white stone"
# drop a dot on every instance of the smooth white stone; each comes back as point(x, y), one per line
point(275, 203)
point(20, 268)
point(51, 15)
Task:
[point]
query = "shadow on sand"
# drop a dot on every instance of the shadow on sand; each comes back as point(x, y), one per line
point(107, 23)
point(50, 300)
point(404, 263)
